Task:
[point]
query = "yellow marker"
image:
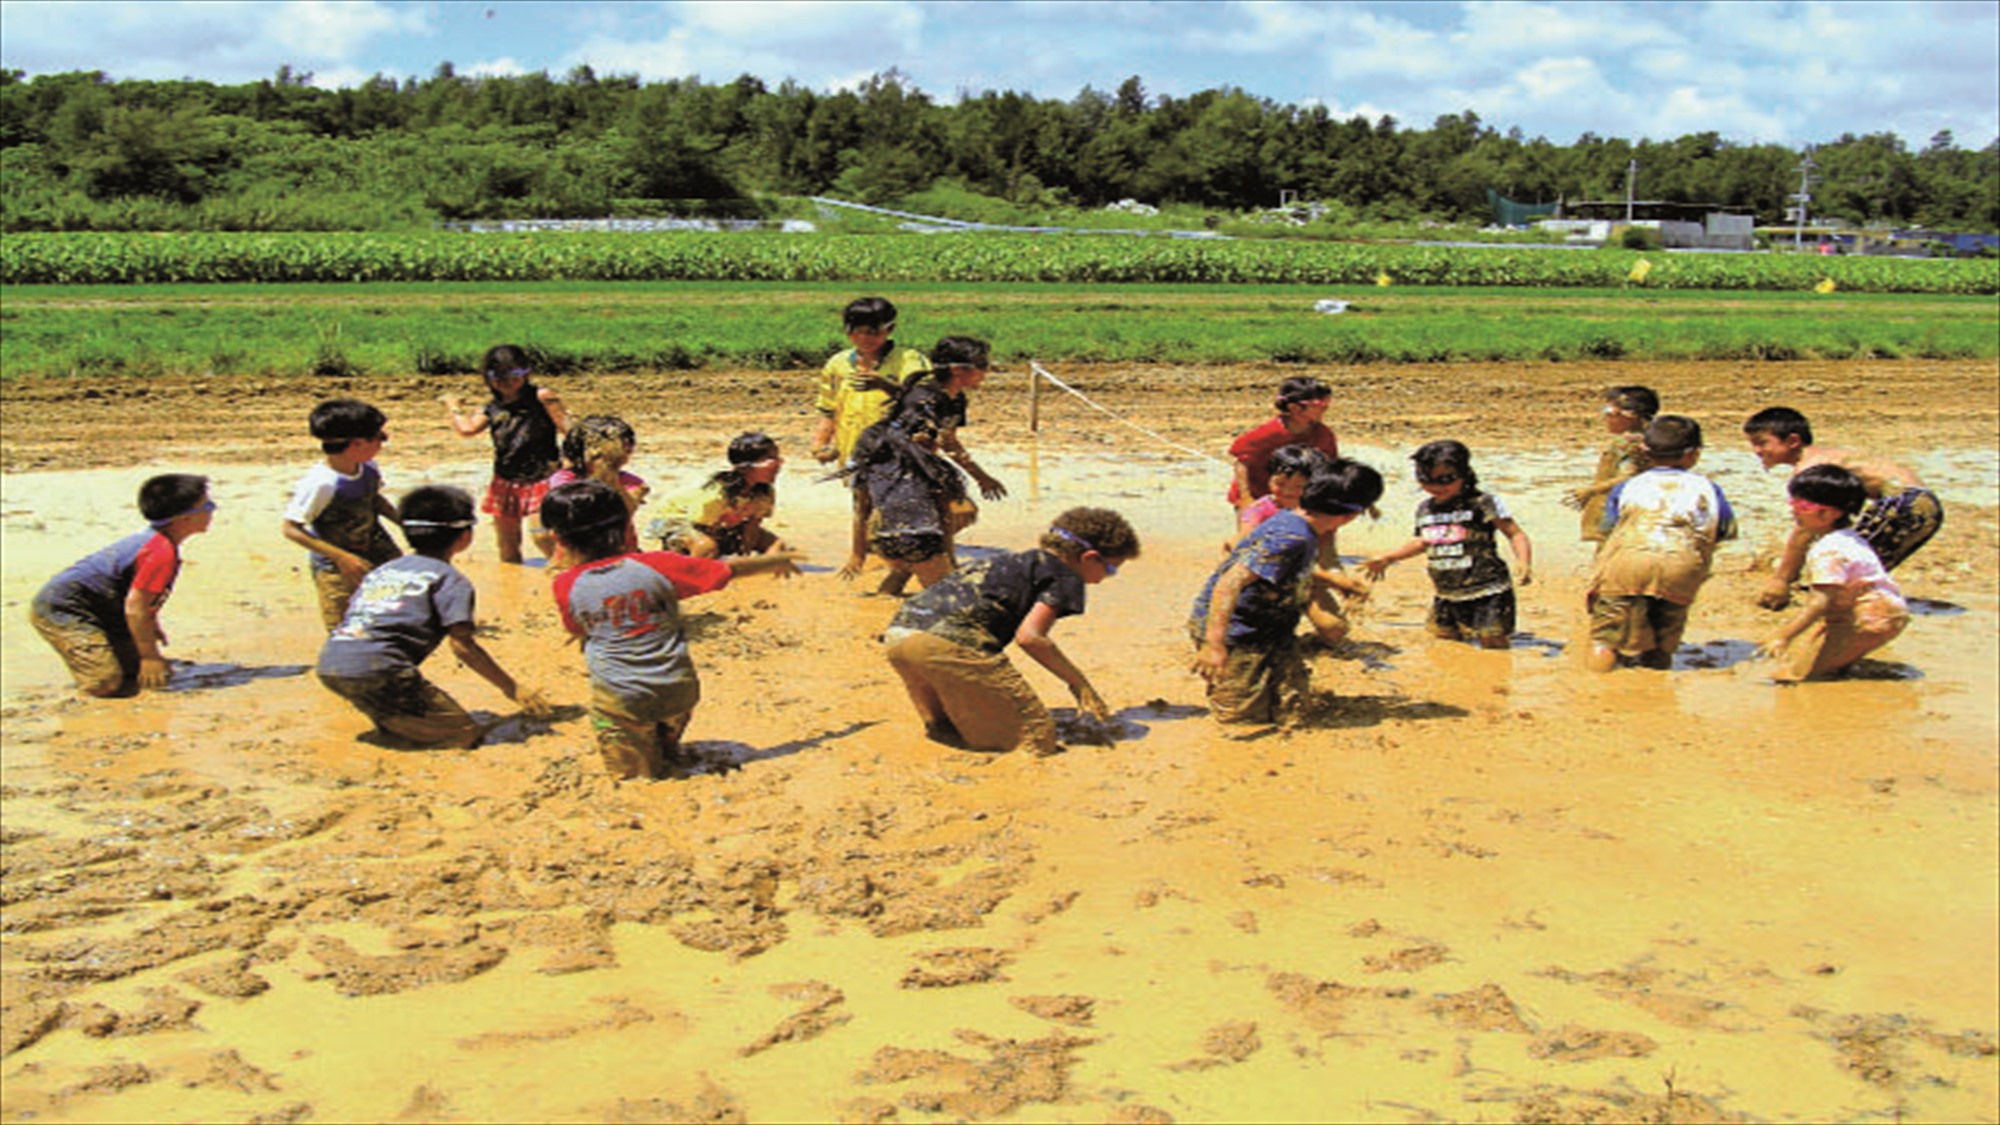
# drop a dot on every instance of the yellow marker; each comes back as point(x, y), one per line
point(1826, 286)
point(1640, 269)
point(1382, 279)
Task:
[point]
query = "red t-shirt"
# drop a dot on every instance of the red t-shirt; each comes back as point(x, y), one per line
point(1254, 450)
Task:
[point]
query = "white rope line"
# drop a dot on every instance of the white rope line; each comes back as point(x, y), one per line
point(1045, 373)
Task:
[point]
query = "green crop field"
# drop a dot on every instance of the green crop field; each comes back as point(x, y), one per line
point(442, 328)
point(37, 259)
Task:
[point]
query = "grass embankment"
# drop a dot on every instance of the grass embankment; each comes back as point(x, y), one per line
point(577, 326)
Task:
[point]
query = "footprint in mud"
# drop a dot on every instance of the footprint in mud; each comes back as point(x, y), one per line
point(1931, 607)
point(1550, 648)
point(1714, 654)
point(197, 677)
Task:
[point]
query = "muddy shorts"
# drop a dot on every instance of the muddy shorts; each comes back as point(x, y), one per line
point(1842, 637)
point(913, 545)
point(514, 499)
point(1634, 624)
point(637, 742)
point(1476, 619)
point(1897, 525)
point(1259, 685)
point(982, 693)
point(730, 542)
point(408, 706)
point(101, 663)
point(335, 590)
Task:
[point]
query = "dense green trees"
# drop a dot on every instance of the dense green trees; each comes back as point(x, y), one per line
point(79, 151)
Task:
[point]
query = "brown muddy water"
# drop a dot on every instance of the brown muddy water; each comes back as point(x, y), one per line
point(1477, 886)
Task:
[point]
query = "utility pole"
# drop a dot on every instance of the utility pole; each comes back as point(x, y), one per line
point(1631, 177)
point(1801, 197)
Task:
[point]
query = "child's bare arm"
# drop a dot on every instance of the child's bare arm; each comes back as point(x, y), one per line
point(1379, 565)
point(142, 619)
point(1817, 602)
point(387, 510)
point(1524, 551)
point(1213, 655)
point(1243, 497)
point(463, 424)
point(782, 562)
point(347, 562)
point(1033, 637)
point(473, 655)
point(553, 403)
point(1777, 591)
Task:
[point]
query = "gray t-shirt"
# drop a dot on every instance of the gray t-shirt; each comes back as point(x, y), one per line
point(397, 617)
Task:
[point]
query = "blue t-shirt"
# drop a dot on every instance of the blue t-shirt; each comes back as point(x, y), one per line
point(92, 591)
point(1280, 553)
point(398, 616)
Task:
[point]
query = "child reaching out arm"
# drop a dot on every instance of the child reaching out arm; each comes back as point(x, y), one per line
point(1456, 525)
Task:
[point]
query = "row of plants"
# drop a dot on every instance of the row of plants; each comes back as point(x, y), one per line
point(442, 329)
point(118, 258)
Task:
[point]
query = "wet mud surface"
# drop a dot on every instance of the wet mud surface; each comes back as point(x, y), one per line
point(1472, 886)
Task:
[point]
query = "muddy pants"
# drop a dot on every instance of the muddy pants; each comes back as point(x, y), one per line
point(1638, 625)
point(407, 705)
point(636, 745)
point(981, 694)
point(1842, 637)
point(1898, 524)
point(1259, 685)
point(101, 662)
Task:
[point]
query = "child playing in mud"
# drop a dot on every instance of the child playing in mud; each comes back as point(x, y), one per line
point(1900, 516)
point(625, 607)
point(725, 516)
point(1289, 468)
point(1301, 403)
point(102, 614)
point(338, 508)
point(1627, 409)
point(597, 448)
point(526, 421)
point(1853, 607)
point(1663, 526)
point(915, 499)
point(947, 642)
point(858, 388)
point(1245, 619)
point(1458, 524)
point(400, 614)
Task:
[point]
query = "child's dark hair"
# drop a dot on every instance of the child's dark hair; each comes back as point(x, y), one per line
point(1296, 461)
point(434, 516)
point(503, 359)
point(745, 449)
point(340, 422)
point(868, 312)
point(1640, 402)
point(1672, 435)
point(1344, 487)
point(1091, 529)
point(589, 435)
point(965, 351)
point(1832, 486)
point(588, 517)
point(1299, 389)
point(1434, 455)
point(1781, 422)
point(168, 495)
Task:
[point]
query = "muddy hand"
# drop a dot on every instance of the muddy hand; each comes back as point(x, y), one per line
point(153, 672)
point(534, 704)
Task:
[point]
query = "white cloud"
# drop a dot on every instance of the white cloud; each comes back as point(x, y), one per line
point(323, 29)
point(893, 24)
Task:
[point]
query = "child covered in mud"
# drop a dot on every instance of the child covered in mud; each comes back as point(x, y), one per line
point(1458, 528)
point(1301, 404)
point(1626, 411)
point(948, 642)
point(1289, 469)
point(403, 610)
point(1662, 529)
point(597, 448)
point(1852, 606)
point(857, 389)
point(1245, 620)
point(526, 422)
point(336, 512)
point(1900, 516)
point(725, 515)
point(625, 607)
point(909, 466)
point(102, 614)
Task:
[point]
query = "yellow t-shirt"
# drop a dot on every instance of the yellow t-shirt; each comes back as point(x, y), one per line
point(853, 408)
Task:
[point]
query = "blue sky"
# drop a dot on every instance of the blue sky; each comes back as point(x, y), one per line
point(1785, 72)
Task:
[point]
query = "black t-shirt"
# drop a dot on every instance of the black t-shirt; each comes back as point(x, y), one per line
point(982, 604)
point(524, 437)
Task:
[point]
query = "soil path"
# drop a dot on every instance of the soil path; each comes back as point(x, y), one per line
point(1474, 886)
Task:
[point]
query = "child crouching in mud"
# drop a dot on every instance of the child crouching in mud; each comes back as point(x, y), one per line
point(1245, 620)
point(625, 606)
point(947, 641)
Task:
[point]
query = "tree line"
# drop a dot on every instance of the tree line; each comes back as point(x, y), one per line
point(81, 151)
